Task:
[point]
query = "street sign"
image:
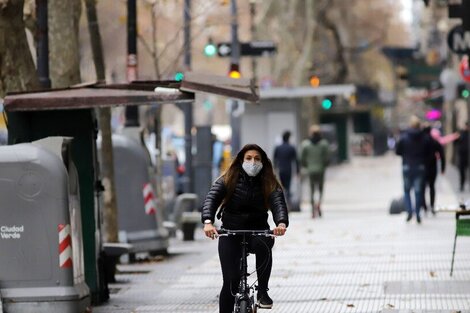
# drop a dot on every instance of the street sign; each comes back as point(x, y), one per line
point(224, 49)
point(252, 48)
point(258, 48)
point(458, 40)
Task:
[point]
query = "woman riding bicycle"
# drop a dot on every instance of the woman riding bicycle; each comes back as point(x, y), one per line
point(245, 192)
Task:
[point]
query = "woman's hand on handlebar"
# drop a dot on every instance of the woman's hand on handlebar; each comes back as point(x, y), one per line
point(280, 229)
point(210, 231)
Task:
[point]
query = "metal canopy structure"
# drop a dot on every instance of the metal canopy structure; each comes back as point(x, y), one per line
point(243, 89)
point(306, 92)
point(87, 98)
point(134, 93)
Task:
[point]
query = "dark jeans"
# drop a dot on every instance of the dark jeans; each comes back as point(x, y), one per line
point(230, 254)
point(413, 178)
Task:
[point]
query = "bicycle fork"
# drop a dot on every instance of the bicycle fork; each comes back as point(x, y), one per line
point(245, 302)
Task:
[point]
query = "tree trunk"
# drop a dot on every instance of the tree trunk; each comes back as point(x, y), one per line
point(17, 70)
point(110, 219)
point(64, 59)
point(339, 60)
point(299, 75)
point(110, 202)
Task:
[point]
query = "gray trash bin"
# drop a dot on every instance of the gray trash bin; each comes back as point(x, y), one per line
point(140, 221)
point(41, 254)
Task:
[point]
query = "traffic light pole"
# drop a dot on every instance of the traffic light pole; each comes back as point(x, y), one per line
point(235, 53)
point(253, 35)
point(187, 35)
point(132, 112)
point(235, 122)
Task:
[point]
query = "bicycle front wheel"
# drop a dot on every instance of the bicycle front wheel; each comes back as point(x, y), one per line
point(244, 307)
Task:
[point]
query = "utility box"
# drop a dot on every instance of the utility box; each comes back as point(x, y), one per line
point(41, 253)
point(140, 221)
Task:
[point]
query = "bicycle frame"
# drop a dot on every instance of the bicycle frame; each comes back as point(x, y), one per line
point(244, 291)
point(244, 299)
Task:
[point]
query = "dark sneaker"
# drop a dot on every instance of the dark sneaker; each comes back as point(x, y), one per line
point(418, 219)
point(264, 301)
point(409, 217)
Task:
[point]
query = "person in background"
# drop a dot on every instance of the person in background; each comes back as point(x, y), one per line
point(245, 192)
point(462, 153)
point(414, 146)
point(179, 172)
point(217, 154)
point(285, 156)
point(431, 168)
point(443, 140)
point(314, 158)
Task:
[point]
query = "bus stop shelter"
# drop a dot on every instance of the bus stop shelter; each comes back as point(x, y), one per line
point(71, 112)
point(284, 108)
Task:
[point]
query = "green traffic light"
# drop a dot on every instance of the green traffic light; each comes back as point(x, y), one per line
point(326, 104)
point(465, 93)
point(179, 76)
point(210, 50)
point(207, 105)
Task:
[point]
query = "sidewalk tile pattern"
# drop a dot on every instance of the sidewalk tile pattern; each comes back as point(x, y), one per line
point(356, 259)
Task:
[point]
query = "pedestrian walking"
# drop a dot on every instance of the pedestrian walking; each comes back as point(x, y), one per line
point(244, 193)
point(285, 157)
point(462, 154)
point(314, 158)
point(431, 168)
point(414, 146)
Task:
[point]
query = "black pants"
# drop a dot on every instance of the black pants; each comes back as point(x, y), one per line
point(230, 254)
point(463, 165)
point(430, 181)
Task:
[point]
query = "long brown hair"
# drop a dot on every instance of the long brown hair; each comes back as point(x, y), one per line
point(268, 179)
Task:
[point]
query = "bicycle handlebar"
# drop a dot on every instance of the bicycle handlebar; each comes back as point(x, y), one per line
point(253, 232)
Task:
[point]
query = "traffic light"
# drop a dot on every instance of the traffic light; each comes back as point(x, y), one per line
point(327, 103)
point(463, 91)
point(179, 76)
point(210, 49)
point(234, 71)
point(207, 105)
point(314, 81)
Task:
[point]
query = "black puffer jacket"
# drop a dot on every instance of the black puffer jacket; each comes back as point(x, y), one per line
point(245, 209)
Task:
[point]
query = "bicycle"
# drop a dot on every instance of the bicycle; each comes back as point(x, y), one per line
point(244, 299)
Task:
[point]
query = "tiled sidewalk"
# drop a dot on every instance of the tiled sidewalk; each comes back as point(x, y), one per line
point(357, 258)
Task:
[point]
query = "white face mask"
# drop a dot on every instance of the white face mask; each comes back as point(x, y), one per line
point(252, 168)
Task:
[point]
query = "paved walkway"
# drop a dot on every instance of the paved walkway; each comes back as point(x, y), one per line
point(357, 258)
